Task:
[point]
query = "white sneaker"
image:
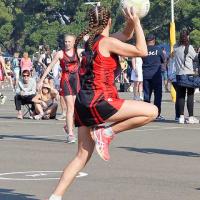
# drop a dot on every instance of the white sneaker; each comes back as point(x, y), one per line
point(3, 99)
point(61, 117)
point(71, 139)
point(38, 117)
point(141, 98)
point(192, 120)
point(181, 119)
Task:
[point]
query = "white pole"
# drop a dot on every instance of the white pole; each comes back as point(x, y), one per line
point(172, 11)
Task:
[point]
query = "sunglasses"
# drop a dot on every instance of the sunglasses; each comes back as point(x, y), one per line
point(26, 75)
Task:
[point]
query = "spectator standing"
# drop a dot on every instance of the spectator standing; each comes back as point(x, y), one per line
point(16, 68)
point(172, 78)
point(124, 66)
point(185, 55)
point(46, 57)
point(56, 73)
point(164, 70)
point(152, 78)
point(45, 60)
point(124, 81)
point(8, 69)
point(2, 70)
point(26, 63)
point(137, 78)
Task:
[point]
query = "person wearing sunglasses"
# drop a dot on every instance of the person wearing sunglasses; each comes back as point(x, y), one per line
point(25, 91)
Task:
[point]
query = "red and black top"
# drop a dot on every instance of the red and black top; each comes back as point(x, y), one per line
point(69, 64)
point(98, 98)
point(69, 83)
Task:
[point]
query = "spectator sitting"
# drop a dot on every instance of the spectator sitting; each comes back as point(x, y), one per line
point(25, 91)
point(45, 103)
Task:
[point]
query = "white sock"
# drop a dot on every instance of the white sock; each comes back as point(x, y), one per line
point(55, 197)
point(108, 131)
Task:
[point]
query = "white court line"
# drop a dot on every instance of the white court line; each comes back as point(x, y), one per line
point(41, 173)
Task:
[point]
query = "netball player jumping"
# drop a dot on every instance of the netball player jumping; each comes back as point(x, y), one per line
point(97, 101)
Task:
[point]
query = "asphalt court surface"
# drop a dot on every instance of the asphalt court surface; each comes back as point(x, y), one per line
point(160, 161)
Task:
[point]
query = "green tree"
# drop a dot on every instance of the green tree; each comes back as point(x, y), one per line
point(25, 24)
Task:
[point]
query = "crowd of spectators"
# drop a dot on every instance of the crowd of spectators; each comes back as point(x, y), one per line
point(155, 74)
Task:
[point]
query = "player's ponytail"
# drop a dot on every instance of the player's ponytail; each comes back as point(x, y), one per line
point(98, 20)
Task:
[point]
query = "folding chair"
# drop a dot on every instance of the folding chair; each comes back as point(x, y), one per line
point(27, 111)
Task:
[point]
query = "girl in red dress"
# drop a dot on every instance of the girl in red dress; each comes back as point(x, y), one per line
point(69, 84)
point(97, 101)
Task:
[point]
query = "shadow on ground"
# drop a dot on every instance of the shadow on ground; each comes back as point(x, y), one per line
point(9, 194)
point(162, 151)
point(29, 137)
point(168, 121)
point(8, 117)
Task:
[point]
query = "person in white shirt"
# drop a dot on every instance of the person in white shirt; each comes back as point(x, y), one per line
point(137, 78)
point(25, 91)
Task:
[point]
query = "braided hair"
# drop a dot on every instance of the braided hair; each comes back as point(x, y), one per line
point(98, 20)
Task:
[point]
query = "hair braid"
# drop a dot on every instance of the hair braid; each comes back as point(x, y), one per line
point(98, 20)
point(103, 17)
point(80, 36)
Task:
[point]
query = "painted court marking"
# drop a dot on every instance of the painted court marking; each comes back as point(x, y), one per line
point(35, 175)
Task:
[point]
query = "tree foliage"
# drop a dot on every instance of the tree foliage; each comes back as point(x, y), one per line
point(25, 24)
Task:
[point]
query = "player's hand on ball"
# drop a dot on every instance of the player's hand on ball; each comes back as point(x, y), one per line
point(130, 15)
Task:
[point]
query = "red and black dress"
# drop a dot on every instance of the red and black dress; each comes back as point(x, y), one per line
point(69, 83)
point(97, 99)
